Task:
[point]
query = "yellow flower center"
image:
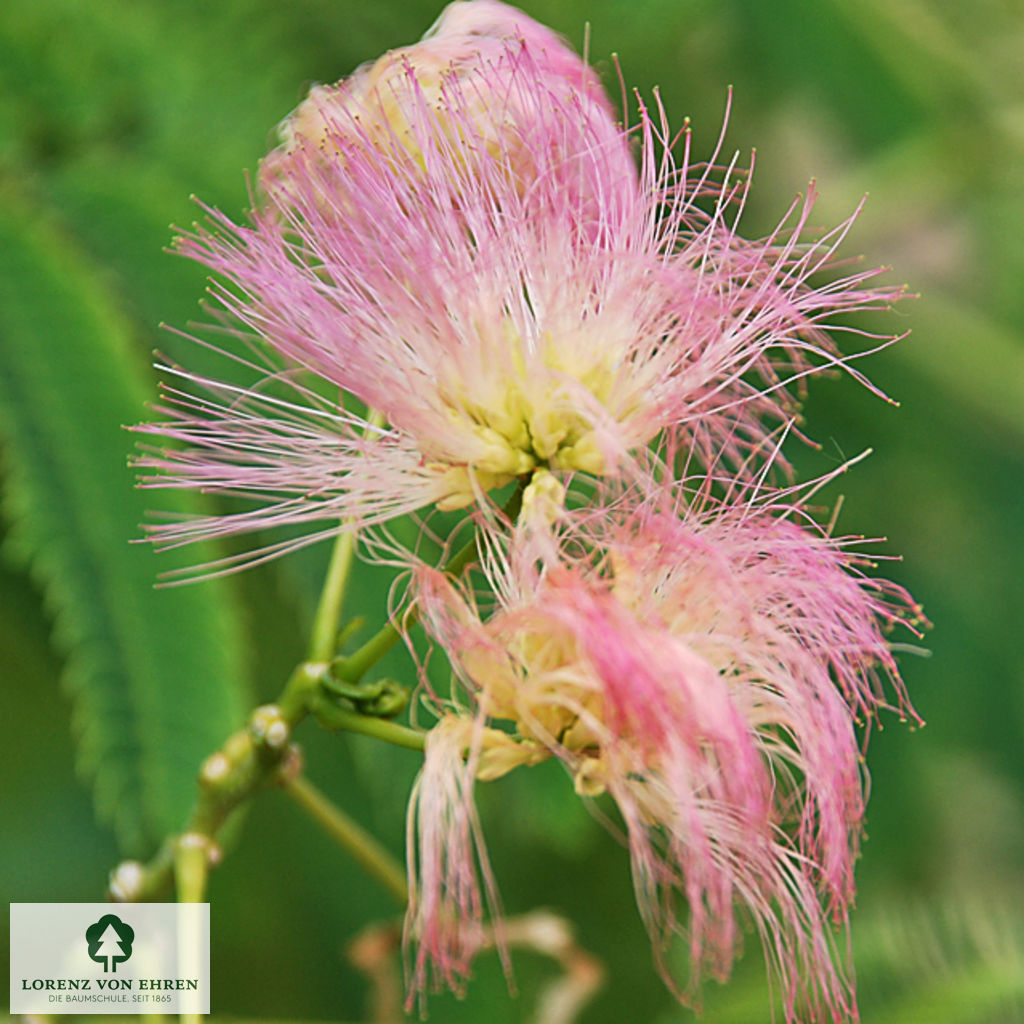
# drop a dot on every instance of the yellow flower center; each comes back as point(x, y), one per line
point(515, 414)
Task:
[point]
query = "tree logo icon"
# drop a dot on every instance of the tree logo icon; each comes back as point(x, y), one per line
point(110, 941)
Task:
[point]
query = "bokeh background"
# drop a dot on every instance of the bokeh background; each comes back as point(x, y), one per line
point(113, 114)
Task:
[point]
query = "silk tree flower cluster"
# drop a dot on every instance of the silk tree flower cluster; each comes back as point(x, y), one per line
point(471, 252)
point(463, 238)
point(703, 662)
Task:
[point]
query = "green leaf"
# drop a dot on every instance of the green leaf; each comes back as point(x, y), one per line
point(959, 960)
point(156, 675)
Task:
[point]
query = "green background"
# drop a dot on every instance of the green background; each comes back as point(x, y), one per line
point(112, 114)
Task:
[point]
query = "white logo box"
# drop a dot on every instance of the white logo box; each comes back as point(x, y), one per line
point(110, 958)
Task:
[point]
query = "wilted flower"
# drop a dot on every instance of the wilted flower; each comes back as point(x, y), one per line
point(458, 237)
point(704, 663)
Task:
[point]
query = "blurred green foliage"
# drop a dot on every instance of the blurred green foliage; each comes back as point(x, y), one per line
point(113, 114)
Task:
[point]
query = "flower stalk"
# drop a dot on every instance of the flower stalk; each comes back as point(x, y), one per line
point(324, 637)
point(364, 849)
point(351, 668)
point(336, 718)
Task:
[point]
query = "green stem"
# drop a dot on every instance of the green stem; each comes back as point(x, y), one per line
point(299, 690)
point(331, 716)
point(363, 847)
point(191, 868)
point(191, 864)
point(328, 613)
point(256, 755)
point(354, 666)
point(323, 640)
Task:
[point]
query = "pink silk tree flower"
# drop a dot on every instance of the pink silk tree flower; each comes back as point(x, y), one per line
point(704, 664)
point(445, 916)
point(467, 38)
point(459, 238)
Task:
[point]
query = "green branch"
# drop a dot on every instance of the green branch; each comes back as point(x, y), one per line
point(262, 753)
point(353, 667)
point(324, 635)
point(332, 716)
point(364, 849)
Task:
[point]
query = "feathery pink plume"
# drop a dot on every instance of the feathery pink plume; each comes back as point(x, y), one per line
point(459, 238)
point(704, 663)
